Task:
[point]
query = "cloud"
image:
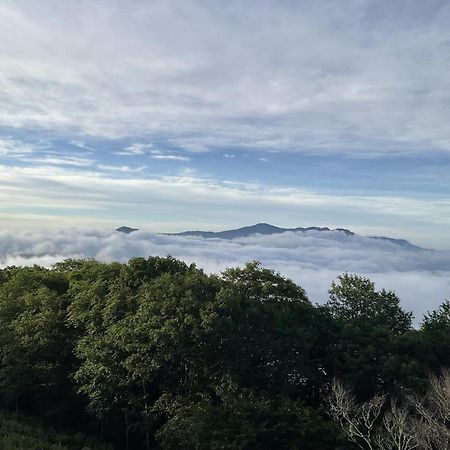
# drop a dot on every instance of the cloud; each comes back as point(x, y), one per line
point(171, 157)
point(16, 148)
point(62, 161)
point(160, 154)
point(124, 169)
point(136, 149)
point(79, 144)
point(139, 149)
point(359, 77)
point(312, 259)
point(185, 197)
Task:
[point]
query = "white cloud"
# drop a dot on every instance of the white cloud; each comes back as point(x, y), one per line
point(171, 157)
point(186, 197)
point(62, 160)
point(313, 259)
point(15, 148)
point(79, 144)
point(135, 149)
point(160, 154)
point(124, 169)
point(353, 76)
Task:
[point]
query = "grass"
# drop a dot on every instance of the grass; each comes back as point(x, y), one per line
point(23, 433)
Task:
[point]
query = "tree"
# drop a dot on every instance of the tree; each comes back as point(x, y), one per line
point(268, 334)
point(257, 283)
point(358, 421)
point(433, 413)
point(435, 331)
point(370, 325)
point(398, 430)
point(35, 347)
point(354, 299)
point(141, 336)
point(415, 423)
point(235, 418)
point(165, 356)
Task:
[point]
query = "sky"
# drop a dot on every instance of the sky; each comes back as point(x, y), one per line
point(193, 114)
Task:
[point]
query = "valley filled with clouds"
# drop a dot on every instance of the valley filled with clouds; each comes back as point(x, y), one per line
point(312, 259)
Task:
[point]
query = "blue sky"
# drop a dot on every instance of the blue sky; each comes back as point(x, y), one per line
point(173, 115)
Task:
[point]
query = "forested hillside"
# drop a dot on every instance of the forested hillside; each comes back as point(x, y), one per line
point(156, 354)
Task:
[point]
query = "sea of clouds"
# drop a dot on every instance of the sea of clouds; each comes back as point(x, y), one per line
point(313, 259)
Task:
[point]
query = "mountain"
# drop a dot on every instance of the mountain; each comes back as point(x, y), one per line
point(403, 242)
point(265, 228)
point(126, 230)
point(259, 228)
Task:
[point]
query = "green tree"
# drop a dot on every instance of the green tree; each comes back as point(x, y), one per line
point(235, 418)
point(371, 325)
point(354, 299)
point(435, 330)
point(135, 324)
point(35, 345)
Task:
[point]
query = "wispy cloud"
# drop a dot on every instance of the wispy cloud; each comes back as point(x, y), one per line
point(124, 169)
point(358, 77)
point(159, 154)
point(79, 144)
point(62, 161)
point(136, 149)
point(171, 157)
point(187, 197)
point(15, 148)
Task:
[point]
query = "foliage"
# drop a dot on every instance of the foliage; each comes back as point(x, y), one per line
point(368, 349)
point(157, 354)
point(236, 418)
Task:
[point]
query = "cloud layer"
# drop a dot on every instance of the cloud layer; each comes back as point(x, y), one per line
point(312, 259)
point(354, 76)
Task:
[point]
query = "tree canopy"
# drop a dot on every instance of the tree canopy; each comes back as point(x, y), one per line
point(157, 354)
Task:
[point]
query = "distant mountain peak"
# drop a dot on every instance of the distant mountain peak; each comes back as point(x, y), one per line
point(126, 230)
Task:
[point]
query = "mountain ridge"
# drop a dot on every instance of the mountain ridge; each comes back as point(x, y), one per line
point(268, 229)
point(259, 228)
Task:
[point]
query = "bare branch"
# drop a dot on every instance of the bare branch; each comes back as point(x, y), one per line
point(433, 414)
point(358, 422)
point(397, 430)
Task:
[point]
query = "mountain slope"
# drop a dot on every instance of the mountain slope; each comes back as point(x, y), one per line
point(268, 229)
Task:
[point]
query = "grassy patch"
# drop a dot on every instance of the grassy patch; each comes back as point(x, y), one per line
point(22, 433)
